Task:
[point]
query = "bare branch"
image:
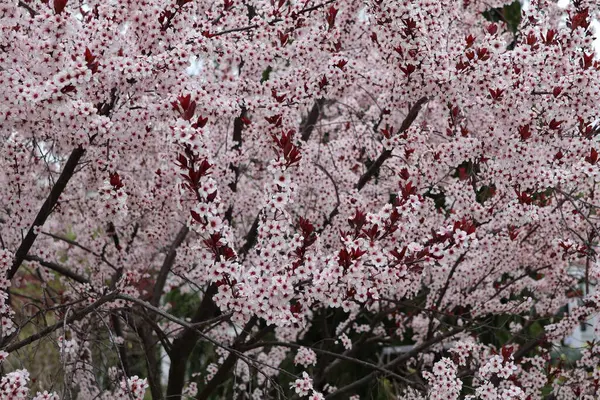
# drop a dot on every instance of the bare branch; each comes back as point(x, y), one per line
point(76, 316)
point(272, 22)
point(26, 6)
point(335, 210)
point(161, 279)
point(335, 355)
point(385, 154)
point(404, 357)
point(46, 209)
point(224, 370)
point(311, 120)
point(251, 236)
point(58, 268)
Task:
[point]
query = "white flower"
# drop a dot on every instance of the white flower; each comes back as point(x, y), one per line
point(282, 179)
point(303, 386)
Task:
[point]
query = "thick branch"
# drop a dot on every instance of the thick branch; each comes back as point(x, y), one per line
point(335, 211)
point(311, 120)
point(193, 330)
point(46, 209)
point(238, 127)
point(373, 169)
point(57, 268)
point(385, 154)
point(180, 351)
point(443, 292)
point(161, 279)
point(30, 10)
point(412, 114)
point(447, 284)
point(225, 368)
point(251, 237)
point(527, 347)
point(116, 322)
point(152, 362)
point(194, 327)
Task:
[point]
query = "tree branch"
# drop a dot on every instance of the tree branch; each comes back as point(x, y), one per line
point(26, 6)
point(404, 357)
point(161, 279)
point(46, 209)
point(335, 211)
point(224, 370)
point(447, 284)
point(251, 236)
point(182, 346)
point(58, 268)
point(373, 169)
point(76, 316)
point(443, 292)
point(385, 154)
point(238, 127)
point(272, 22)
point(152, 363)
point(309, 124)
point(335, 355)
point(114, 319)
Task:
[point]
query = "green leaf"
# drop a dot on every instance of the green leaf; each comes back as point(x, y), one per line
point(386, 390)
point(536, 329)
point(265, 74)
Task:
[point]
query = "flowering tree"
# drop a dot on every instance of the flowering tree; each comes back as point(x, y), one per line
point(266, 193)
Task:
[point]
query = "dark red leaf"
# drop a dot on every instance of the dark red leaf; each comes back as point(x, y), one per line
point(59, 6)
point(593, 157)
point(196, 216)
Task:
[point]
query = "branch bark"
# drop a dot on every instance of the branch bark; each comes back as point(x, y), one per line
point(335, 355)
point(182, 346)
point(309, 124)
point(306, 128)
point(76, 316)
point(57, 268)
point(225, 368)
point(114, 318)
point(152, 362)
point(251, 236)
point(31, 11)
point(272, 22)
point(46, 210)
point(373, 169)
point(161, 279)
point(385, 154)
point(238, 127)
point(405, 357)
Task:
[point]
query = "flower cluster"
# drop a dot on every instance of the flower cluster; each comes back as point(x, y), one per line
point(443, 380)
point(303, 386)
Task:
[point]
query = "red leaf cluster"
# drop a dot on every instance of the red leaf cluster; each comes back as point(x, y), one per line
point(289, 150)
point(185, 106)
